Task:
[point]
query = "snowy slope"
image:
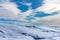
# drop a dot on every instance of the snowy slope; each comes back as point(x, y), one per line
point(9, 31)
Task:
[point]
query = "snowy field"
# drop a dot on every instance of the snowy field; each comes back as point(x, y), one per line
point(9, 31)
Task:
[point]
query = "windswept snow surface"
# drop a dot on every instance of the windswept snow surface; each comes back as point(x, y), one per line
point(15, 31)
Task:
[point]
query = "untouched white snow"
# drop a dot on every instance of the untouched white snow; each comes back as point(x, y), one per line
point(19, 32)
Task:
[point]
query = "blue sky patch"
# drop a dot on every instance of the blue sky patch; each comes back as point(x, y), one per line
point(29, 18)
point(22, 7)
point(42, 14)
point(35, 4)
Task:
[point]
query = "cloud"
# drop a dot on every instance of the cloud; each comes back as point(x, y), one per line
point(49, 6)
point(11, 9)
point(23, 15)
point(4, 13)
point(25, 3)
point(50, 20)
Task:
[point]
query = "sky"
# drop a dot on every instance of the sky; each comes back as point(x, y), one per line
point(44, 12)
